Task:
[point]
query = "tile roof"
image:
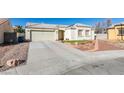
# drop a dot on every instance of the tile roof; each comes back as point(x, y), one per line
point(119, 23)
point(53, 26)
point(116, 24)
point(2, 20)
point(80, 24)
point(43, 25)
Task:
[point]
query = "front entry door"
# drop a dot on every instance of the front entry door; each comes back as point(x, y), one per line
point(60, 35)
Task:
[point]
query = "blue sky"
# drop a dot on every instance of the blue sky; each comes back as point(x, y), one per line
point(66, 21)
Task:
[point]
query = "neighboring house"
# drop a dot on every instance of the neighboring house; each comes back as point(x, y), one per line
point(39, 32)
point(116, 32)
point(5, 26)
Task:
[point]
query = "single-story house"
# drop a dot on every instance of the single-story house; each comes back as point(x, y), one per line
point(5, 26)
point(116, 32)
point(39, 32)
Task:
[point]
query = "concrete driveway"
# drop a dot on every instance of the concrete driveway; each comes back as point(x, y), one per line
point(54, 58)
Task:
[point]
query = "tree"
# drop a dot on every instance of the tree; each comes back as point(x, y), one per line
point(98, 27)
point(101, 27)
point(109, 22)
point(19, 29)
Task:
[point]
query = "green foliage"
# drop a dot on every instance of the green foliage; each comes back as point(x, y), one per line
point(19, 29)
point(77, 41)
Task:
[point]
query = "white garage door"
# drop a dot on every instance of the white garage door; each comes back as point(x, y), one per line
point(43, 35)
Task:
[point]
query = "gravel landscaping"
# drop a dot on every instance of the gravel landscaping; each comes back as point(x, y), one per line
point(86, 45)
point(106, 45)
point(17, 52)
point(101, 46)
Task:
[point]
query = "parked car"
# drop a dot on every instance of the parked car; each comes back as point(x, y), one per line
point(21, 39)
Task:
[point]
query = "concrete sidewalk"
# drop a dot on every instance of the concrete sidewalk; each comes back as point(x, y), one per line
point(54, 58)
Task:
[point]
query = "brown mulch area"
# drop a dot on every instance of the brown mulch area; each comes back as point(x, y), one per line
point(8, 52)
point(84, 46)
point(102, 46)
point(106, 45)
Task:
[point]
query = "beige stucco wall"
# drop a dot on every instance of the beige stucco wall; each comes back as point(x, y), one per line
point(113, 33)
point(27, 34)
point(5, 27)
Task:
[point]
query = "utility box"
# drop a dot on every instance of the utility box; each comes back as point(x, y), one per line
point(10, 37)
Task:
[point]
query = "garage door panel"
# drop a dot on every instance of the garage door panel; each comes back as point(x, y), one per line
point(41, 36)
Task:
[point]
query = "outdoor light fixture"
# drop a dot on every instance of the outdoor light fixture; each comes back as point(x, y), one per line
point(121, 32)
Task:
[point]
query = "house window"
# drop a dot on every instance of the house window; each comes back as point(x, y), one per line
point(80, 33)
point(121, 32)
point(87, 32)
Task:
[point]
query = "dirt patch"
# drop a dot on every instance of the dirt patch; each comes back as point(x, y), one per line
point(4, 49)
point(106, 45)
point(83, 46)
point(8, 52)
point(97, 45)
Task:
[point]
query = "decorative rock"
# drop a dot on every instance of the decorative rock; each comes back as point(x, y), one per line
point(13, 62)
point(10, 63)
point(1, 66)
